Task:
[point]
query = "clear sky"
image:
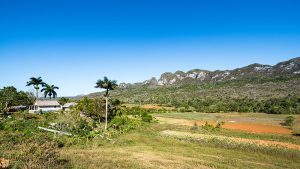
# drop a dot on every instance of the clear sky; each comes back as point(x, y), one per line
point(74, 43)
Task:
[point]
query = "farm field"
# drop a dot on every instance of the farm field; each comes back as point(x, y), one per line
point(175, 142)
point(250, 122)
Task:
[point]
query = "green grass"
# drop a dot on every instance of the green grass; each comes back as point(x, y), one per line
point(245, 117)
point(146, 148)
point(296, 127)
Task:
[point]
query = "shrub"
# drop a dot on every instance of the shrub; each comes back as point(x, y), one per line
point(146, 117)
point(219, 125)
point(289, 121)
point(208, 126)
point(211, 127)
point(124, 123)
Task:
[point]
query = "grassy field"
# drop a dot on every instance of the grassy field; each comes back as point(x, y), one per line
point(148, 148)
point(274, 119)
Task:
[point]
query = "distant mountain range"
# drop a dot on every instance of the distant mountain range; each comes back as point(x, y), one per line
point(288, 68)
point(256, 84)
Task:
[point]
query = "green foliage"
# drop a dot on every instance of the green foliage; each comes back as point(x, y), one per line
point(210, 127)
point(289, 121)
point(94, 108)
point(36, 82)
point(124, 123)
point(82, 128)
point(49, 90)
point(9, 96)
point(27, 147)
point(143, 114)
point(63, 100)
point(146, 117)
point(107, 85)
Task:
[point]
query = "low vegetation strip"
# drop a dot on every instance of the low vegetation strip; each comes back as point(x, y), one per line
point(205, 137)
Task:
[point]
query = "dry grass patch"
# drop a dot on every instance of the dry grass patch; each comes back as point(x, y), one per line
point(230, 139)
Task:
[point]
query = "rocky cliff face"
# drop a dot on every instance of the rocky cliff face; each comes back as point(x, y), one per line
point(287, 68)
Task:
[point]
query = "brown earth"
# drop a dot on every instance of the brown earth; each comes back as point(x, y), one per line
point(257, 128)
point(149, 106)
point(248, 127)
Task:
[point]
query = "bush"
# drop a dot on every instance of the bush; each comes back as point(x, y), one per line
point(208, 126)
point(81, 128)
point(211, 127)
point(289, 121)
point(124, 123)
point(146, 117)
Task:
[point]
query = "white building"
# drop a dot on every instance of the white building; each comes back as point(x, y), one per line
point(68, 106)
point(44, 106)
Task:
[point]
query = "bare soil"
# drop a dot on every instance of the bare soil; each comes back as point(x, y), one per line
point(248, 127)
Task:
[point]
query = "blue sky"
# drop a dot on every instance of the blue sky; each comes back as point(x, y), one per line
point(73, 43)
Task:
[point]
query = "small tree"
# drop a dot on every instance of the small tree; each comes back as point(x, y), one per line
point(107, 85)
point(116, 108)
point(63, 100)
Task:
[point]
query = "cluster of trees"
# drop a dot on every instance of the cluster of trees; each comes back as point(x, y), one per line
point(96, 108)
point(9, 97)
point(285, 105)
point(268, 95)
point(48, 90)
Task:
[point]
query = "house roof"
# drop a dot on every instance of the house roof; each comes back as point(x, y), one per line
point(67, 105)
point(47, 103)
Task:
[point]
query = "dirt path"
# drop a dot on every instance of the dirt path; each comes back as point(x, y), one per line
point(249, 127)
point(231, 139)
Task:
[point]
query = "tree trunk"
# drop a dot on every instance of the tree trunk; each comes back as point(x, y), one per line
point(6, 108)
point(37, 95)
point(106, 107)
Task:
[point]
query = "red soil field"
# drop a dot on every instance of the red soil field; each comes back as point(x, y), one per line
point(257, 128)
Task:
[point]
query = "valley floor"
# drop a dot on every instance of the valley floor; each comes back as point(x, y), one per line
point(179, 144)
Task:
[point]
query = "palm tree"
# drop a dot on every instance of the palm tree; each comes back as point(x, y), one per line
point(107, 85)
point(36, 82)
point(49, 90)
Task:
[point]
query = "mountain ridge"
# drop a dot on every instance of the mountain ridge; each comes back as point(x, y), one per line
point(285, 68)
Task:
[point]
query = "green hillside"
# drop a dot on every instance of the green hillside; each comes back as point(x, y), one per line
point(254, 88)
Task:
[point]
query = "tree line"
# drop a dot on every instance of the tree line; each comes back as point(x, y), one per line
point(284, 105)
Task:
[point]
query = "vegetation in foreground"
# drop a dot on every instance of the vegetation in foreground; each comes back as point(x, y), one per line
point(130, 142)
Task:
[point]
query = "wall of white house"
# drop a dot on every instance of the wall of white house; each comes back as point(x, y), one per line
point(37, 109)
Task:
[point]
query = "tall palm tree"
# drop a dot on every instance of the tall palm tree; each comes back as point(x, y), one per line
point(36, 83)
point(50, 91)
point(107, 85)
